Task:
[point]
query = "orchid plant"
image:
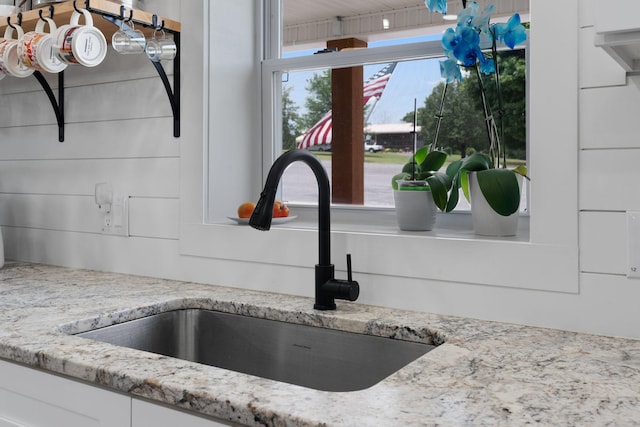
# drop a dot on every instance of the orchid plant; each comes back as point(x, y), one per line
point(424, 166)
point(462, 49)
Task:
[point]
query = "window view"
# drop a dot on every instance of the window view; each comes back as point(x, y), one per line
point(392, 91)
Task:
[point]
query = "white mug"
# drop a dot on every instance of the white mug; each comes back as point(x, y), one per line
point(80, 44)
point(3, 41)
point(35, 49)
point(9, 62)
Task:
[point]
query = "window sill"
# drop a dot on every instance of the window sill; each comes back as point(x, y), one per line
point(382, 221)
point(445, 254)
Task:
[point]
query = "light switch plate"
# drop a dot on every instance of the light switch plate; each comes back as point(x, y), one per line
point(633, 245)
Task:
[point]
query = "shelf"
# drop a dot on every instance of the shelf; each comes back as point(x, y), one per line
point(63, 11)
point(617, 31)
point(623, 47)
point(106, 16)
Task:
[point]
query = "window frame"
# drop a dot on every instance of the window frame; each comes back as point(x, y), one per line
point(548, 261)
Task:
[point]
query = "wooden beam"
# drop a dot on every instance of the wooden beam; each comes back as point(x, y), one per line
point(347, 159)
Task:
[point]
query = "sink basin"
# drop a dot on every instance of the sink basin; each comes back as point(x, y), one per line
point(308, 356)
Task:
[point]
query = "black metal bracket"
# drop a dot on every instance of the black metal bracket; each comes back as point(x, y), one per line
point(58, 105)
point(120, 20)
point(174, 97)
point(173, 94)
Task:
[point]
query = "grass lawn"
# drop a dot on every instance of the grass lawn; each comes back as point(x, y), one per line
point(402, 158)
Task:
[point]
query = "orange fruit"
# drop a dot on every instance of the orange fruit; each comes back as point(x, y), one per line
point(246, 209)
point(280, 210)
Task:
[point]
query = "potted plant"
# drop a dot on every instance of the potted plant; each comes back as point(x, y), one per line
point(420, 187)
point(484, 177)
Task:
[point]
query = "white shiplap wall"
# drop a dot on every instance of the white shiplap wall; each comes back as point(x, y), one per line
point(119, 130)
point(609, 150)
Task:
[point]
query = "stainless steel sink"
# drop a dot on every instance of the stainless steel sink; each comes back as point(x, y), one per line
point(309, 356)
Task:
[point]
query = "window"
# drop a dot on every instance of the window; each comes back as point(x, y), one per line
point(302, 95)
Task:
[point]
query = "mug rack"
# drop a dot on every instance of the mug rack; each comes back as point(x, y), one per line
point(114, 16)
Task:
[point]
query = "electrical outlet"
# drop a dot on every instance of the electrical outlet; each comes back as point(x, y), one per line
point(116, 220)
point(633, 245)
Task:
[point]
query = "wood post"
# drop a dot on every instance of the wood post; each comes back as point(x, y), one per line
point(347, 159)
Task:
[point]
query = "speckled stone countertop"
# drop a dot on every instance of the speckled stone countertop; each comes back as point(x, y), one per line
point(483, 373)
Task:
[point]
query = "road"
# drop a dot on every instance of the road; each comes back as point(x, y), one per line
point(299, 183)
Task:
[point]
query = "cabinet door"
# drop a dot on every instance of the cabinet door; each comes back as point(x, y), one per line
point(145, 414)
point(33, 398)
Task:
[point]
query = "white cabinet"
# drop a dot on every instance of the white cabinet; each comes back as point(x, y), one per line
point(145, 414)
point(31, 398)
point(618, 31)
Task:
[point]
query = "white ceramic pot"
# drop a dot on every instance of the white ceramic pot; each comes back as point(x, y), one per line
point(415, 209)
point(486, 222)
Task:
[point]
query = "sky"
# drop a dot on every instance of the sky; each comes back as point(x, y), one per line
point(410, 80)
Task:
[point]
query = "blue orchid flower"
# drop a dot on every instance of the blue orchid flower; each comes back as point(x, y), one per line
point(462, 44)
point(465, 17)
point(450, 70)
point(511, 32)
point(449, 42)
point(487, 66)
point(481, 20)
point(468, 50)
point(472, 17)
point(439, 6)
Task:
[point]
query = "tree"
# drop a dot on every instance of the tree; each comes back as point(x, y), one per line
point(462, 127)
point(318, 102)
point(512, 67)
point(290, 120)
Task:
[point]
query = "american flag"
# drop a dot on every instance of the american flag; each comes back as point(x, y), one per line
point(320, 133)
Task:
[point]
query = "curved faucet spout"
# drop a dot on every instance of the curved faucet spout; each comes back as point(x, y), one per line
point(263, 212)
point(327, 287)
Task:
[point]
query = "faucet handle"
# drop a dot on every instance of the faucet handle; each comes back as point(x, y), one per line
point(332, 288)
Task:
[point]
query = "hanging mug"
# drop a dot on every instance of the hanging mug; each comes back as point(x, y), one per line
point(9, 62)
point(128, 40)
point(80, 44)
point(3, 42)
point(35, 49)
point(161, 49)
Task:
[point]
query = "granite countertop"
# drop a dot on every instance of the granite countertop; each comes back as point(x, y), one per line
point(482, 373)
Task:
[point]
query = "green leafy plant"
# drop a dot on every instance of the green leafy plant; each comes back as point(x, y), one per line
point(499, 186)
point(424, 165)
